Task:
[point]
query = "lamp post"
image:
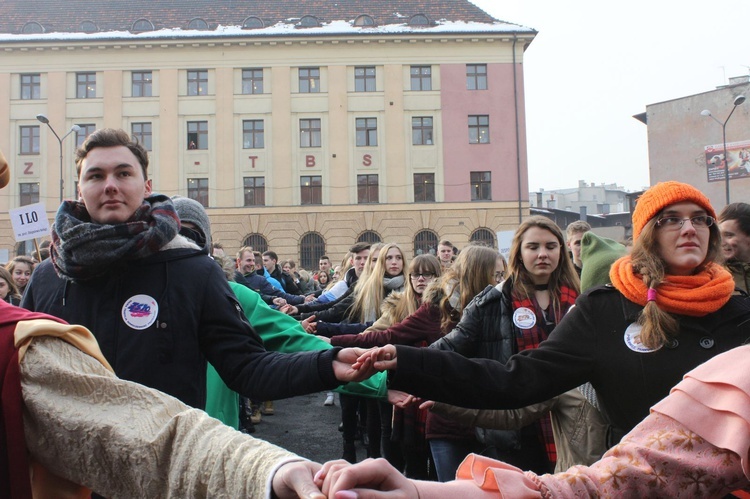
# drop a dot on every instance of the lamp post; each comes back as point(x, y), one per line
point(737, 101)
point(43, 119)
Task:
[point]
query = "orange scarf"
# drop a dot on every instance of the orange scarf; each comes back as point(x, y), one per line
point(695, 295)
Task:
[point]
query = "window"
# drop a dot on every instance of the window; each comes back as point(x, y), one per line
point(425, 243)
point(197, 81)
point(252, 23)
point(311, 247)
point(479, 129)
point(89, 27)
point(142, 25)
point(142, 133)
point(367, 189)
point(28, 193)
point(255, 191)
point(311, 189)
point(421, 77)
point(309, 80)
point(197, 23)
point(252, 81)
point(419, 20)
point(256, 241)
point(142, 81)
point(85, 85)
point(309, 133)
point(32, 27)
point(369, 236)
point(309, 22)
point(484, 236)
point(29, 139)
point(252, 134)
point(421, 131)
point(476, 77)
point(367, 132)
point(364, 20)
point(198, 190)
point(364, 79)
point(197, 134)
point(83, 132)
point(30, 86)
point(424, 187)
point(481, 186)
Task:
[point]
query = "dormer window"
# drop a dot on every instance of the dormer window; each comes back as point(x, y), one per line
point(419, 20)
point(253, 22)
point(364, 20)
point(198, 23)
point(142, 25)
point(309, 22)
point(89, 27)
point(31, 28)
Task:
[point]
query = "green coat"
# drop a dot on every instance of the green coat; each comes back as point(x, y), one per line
point(280, 333)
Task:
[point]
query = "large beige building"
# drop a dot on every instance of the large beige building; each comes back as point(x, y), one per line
point(302, 126)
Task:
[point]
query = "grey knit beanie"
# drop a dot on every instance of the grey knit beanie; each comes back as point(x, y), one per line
point(190, 210)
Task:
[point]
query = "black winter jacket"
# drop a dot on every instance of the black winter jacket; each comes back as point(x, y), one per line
point(158, 319)
point(589, 344)
point(260, 284)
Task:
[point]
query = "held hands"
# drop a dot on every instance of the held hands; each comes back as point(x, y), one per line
point(309, 298)
point(380, 358)
point(309, 325)
point(288, 309)
point(370, 479)
point(279, 302)
point(402, 399)
point(295, 479)
point(347, 368)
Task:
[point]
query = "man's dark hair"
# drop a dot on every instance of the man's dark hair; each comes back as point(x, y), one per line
point(447, 243)
point(359, 247)
point(109, 137)
point(324, 257)
point(272, 255)
point(739, 212)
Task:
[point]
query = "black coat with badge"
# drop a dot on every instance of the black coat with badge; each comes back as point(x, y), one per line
point(158, 320)
point(589, 344)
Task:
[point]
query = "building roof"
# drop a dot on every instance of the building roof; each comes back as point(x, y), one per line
point(26, 20)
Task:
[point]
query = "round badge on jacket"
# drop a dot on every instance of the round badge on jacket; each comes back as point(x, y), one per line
point(633, 339)
point(140, 312)
point(524, 318)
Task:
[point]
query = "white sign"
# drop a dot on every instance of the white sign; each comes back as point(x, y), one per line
point(29, 222)
point(504, 238)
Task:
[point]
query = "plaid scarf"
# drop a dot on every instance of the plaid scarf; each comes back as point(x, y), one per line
point(527, 339)
point(82, 249)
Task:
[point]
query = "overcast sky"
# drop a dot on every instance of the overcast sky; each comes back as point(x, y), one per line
point(595, 64)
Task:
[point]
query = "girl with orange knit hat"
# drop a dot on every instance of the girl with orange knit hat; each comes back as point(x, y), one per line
point(670, 308)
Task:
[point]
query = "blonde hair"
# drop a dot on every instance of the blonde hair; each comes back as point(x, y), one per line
point(410, 300)
point(23, 259)
point(473, 270)
point(563, 275)
point(369, 292)
point(657, 325)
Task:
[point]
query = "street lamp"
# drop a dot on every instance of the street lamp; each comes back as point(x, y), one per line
point(42, 118)
point(737, 101)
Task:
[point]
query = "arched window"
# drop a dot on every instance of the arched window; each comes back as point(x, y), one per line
point(369, 236)
point(484, 236)
point(419, 20)
point(89, 27)
point(257, 241)
point(253, 22)
point(31, 28)
point(309, 22)
point(142, 25)
point(311, 247)
point(364, 20)
point(425, 243)
point(197, 23)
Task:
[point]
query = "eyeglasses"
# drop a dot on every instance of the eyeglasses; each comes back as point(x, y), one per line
point(499, 276)
point(425, 275)
point(675, 223)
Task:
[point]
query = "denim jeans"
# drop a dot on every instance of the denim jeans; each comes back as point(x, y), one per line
point(448, 454)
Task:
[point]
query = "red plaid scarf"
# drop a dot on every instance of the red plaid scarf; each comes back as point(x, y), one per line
point(527, 339)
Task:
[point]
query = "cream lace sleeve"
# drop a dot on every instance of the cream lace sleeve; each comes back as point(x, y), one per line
point(122, 439)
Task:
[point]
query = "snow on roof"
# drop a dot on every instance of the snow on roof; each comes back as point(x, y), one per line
point(280, 29)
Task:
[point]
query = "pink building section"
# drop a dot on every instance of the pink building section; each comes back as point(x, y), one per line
point(499, 156)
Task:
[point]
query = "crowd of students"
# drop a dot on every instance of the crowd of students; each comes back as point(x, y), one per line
point(468, 373)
